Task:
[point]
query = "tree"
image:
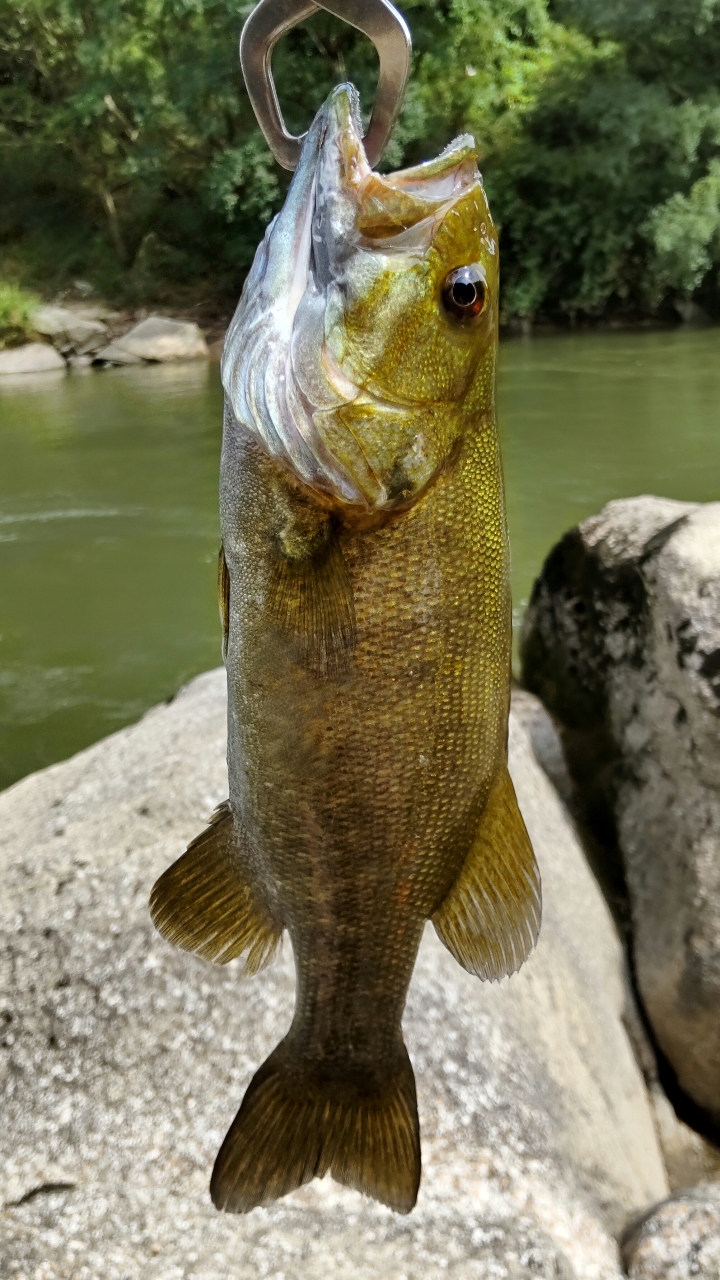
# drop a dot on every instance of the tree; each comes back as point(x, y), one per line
point(129, 152)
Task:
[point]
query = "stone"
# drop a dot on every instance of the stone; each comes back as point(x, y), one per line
point(158, 338)
point(678, 1239)
point(71, 331)
point(51, 320)
point(622, 643)
point(33, 357)
point(125, 1059)
point(689, 1157)
point(84, 337)
point(114, 353)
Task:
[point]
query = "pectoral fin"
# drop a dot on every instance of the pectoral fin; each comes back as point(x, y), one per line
point(490, 919)
point(311, 599)
point(201, 903)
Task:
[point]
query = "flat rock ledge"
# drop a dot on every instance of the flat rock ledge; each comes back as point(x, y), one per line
point(622, 644)
point(124, 1059)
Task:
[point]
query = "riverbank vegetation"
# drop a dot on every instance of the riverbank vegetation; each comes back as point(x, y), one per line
point(17, 306)
point(130, 158)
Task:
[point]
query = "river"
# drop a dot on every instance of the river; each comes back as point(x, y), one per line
point(108, 510)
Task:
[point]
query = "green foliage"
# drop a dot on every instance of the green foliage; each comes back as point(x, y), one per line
point(685, 233)
point(627, 156)
point(129, 153)
point(16, 312)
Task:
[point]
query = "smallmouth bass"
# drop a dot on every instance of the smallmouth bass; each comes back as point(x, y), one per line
point(364, 587)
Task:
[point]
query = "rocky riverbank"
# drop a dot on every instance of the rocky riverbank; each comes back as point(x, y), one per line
point(82, 336)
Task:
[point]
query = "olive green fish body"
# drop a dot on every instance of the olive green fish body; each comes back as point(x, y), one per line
point(361, 790)
point(364, 581)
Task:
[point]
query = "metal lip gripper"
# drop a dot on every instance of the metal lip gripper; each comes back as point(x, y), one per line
point(377, 19)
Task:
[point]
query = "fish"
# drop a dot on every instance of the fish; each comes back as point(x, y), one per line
point(364, 584)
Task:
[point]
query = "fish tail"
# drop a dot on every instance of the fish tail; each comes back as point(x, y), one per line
point(297, 1122)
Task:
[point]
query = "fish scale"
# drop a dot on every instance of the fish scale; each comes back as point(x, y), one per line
point(364, 581)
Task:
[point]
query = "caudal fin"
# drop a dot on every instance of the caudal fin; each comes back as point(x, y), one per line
point(296, 1124)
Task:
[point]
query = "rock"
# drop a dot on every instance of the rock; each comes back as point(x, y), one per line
point(71, 331)
point(84, 337)
point(157, 339)
point(622, 643)
point(678, 1239)
point(125, 1059)
point(34, 357)
point(52, 321)
point(688, 1156)
point(114, 353)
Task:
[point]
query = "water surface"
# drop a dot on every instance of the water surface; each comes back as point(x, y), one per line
point(108, 547)
point(109, 528)
point(592, 417)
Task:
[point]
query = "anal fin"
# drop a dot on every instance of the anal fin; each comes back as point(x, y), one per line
point(201, 903)
point(490, 919)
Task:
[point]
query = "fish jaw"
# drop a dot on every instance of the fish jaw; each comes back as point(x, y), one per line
point(340, 359)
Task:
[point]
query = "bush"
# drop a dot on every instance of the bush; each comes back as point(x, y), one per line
point(16, 311)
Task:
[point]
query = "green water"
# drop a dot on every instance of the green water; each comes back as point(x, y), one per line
point(592, 417)
point(108, 520)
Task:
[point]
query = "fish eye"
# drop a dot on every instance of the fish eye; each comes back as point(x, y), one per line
point(464, 292)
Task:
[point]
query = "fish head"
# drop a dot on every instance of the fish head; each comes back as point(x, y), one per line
point(363, 348)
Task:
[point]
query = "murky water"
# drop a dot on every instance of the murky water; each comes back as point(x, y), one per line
point(108, 510)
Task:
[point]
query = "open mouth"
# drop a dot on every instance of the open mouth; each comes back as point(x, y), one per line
point(386, 205)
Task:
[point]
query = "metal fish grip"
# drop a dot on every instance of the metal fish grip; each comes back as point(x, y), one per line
point(377, 19)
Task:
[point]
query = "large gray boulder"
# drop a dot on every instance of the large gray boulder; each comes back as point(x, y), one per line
point(157, 339)
point(622, 643)
point(33, 357)
point(125, 1059)
point(689, 1157)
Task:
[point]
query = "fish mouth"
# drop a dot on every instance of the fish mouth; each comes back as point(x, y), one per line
point(281, 381)
point(353, 205)
point(434, 181)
